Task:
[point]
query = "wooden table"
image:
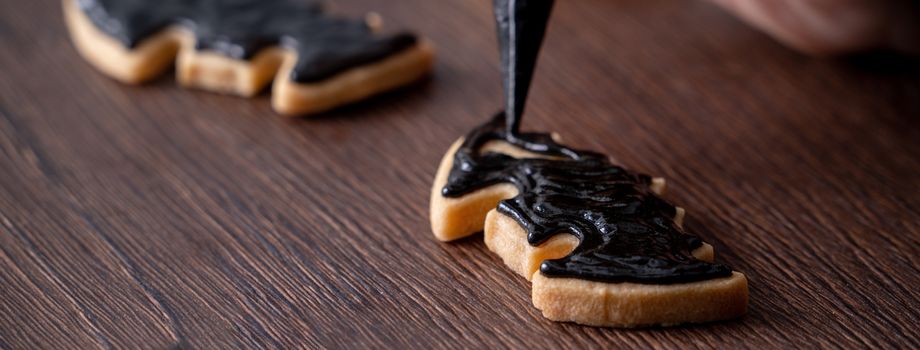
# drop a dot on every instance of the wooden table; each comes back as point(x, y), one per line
point(157, 217)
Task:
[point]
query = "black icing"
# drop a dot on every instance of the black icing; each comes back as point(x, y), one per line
point(626, 232)
point(325, 45)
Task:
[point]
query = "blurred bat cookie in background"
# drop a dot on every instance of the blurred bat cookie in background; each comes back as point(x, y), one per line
point(316, 62)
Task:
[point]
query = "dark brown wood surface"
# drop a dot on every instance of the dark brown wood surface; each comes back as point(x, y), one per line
point(157, 217)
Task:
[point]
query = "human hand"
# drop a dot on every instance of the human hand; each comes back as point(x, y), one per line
point(830, 27)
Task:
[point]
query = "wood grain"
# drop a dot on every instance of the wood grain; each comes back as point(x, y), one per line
point(156, 217)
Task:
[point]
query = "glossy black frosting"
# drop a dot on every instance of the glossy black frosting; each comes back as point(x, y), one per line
point(626, 232)
point(325, 45)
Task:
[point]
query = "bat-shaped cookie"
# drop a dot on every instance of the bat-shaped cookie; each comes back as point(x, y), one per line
point(599, 244)
point(317, 62)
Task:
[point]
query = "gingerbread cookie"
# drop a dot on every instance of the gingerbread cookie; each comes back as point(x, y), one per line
point(596, 240)
point(317, 62)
